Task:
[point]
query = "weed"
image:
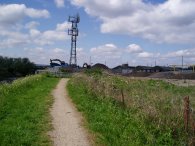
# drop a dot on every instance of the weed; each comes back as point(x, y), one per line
point(24, 105)
point(153, 113)
point(96, 72)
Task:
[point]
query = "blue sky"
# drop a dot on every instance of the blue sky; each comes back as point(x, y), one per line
point(138, 32)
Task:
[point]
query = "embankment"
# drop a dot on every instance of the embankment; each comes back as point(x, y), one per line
point(24, 106)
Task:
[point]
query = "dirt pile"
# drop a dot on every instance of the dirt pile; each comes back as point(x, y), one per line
point(173, 75)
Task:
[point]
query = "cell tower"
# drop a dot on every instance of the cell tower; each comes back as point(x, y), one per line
point(74, 33)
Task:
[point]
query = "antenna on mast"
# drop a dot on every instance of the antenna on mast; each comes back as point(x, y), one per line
point(74, 33)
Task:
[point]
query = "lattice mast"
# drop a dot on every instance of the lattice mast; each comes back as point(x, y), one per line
point(74, 33)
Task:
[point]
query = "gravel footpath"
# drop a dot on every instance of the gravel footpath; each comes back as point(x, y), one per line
point(66, 120)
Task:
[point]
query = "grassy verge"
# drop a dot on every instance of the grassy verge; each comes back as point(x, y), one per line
point(152, 115)
point(24, 116)
point(111, 124)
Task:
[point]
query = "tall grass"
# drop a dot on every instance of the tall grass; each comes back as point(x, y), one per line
point(153, 108)
point(24, 105)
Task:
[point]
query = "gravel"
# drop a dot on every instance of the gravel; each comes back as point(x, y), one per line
point(67, 121)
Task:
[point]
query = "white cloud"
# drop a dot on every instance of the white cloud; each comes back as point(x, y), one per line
point(59, 3)
point(11, 14)
point(63, 26)
point(79, 49)
point(54, 35)
point(47, 37)
point(10, 27)
point(58, 50)
point(31, 25)
point(134, 48)
point(82, 56)
point(12, 39)
point(15, 38)
point(34, 13)
point(107, 50)
point(172, 21)
point(145, 55)
point(8, 43)
point(34, 33)
point(190, 53)
point(43, 55)
point(40, 50)
point(50, 36)
point(109, 8)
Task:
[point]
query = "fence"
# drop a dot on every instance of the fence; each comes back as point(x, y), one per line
point(189, 121)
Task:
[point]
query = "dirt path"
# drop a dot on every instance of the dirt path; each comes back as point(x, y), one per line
point(67, 122)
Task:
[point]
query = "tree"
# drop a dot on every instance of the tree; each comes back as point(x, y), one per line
point(15, 67)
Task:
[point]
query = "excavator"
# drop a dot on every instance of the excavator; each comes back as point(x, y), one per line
point(61, 63)
point(85, 65)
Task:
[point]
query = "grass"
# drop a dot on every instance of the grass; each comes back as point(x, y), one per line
point(112, 125)
point(152, 115)
point(24, 106)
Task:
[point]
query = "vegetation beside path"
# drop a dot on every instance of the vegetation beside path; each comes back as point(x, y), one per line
point(151, 112)
point(24, 111)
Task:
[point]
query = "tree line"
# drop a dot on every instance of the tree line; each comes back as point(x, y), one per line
point(15, 67)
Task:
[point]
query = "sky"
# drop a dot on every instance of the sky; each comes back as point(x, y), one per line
point(112, 32)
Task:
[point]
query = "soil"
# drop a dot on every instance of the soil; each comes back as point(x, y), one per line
point(67, 121)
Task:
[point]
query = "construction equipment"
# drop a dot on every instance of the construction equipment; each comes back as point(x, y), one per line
point(85, 65)
point(61, 63)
